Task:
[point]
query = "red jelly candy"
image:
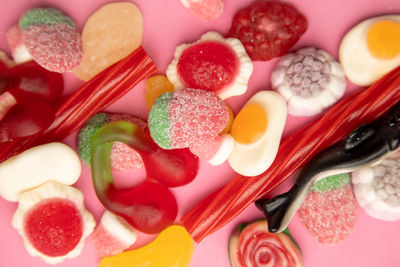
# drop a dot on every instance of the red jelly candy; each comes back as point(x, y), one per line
point(149, 207)
point(208, 65)
point(268, 29)
point(62, 223)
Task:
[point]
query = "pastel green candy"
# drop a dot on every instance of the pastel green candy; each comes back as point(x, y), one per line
point(87, 131)
point(159, 123)
point(46, 16)
point(331, 182)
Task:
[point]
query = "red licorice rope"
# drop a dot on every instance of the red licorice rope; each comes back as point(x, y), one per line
point(221, 206)
point(95, 95)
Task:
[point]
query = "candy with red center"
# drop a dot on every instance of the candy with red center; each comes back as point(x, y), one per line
point(53, 221)
point(251, 245)
point(268, 29)
point(112, 235)
point(122, 157)
point(52, 39)
point(212, 63)
point(18, 49)
point(205, 10)
point(181, 118)
point(329, 211)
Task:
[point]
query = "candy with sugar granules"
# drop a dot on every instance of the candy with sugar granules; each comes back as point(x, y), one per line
point(110, 34)
point(112, 235)
point(268, 29)
point(122, 157)
point(156, 86)
point(37, 165)
point(329, 211)
point(205, 10)
point(53, 221)
point(213, 63)
point(180, 118)
point(377, 189)
point(214, 150)
point(172, 247)
point(52, 39)
point(310, 80)
point(19, 51)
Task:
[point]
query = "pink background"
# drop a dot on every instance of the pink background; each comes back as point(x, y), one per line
point(166, 24)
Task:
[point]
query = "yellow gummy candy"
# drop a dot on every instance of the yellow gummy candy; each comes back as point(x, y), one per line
point(156, 86)
point(172, 248)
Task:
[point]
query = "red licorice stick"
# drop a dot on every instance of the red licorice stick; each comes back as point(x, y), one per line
point(95, 95)
point(221, 206)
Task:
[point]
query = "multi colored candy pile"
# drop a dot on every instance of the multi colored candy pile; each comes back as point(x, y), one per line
point(188, 119)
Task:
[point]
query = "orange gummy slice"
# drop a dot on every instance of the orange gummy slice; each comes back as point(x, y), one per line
point(173, 247)
point(110, 34)
point(156, 86)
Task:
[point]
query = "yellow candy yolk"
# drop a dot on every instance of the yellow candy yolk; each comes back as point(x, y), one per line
point(383, 39)
point(250, 124)
point(228, 125)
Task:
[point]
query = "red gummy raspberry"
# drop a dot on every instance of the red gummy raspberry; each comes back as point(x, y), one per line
point(268, 29)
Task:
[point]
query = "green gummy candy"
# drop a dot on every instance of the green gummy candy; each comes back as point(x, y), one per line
point(159, 124)
point(87, 131)
point(331, 182)
point(44, 16)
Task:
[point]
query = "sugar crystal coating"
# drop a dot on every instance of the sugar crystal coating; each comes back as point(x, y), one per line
point(331, 182)
point(181, 118)
point(47, 16)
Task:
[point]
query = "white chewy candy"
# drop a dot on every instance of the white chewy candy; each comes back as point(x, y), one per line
point(35, 166)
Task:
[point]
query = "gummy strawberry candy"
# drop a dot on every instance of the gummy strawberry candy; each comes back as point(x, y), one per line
point(268, 29)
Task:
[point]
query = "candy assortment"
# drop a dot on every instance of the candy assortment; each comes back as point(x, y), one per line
point(188, 119)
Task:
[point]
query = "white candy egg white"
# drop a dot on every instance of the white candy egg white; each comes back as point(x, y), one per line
point(359, 65)
point(254, 159)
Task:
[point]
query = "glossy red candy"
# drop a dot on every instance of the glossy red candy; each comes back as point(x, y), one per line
point(268, 29)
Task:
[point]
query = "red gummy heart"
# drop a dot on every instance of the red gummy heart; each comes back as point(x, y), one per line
point(268, 29)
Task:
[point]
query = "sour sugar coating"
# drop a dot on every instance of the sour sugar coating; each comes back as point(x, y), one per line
point(109, 34)
point(181, 118)
point(268, 29)
point(205, 10)
point(52, 39)
point(19, 51)
point(53, 221)
point(215, 150)
point(213, 63)
point(377, 189)
point(122, 157)
point(329, 211)
point(310, 80)
point(112, 235)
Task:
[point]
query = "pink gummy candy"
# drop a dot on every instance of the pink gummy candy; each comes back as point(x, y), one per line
point(123, 157)
point(329, 216)
point(195, 115)
point(18, 49)
point(112, 235)
point(205, 9)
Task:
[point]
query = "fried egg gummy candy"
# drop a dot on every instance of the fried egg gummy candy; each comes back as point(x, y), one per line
point(377, 189)
point(53, 221)
point(112, 235)
point(329, 211)
point(19, 51)
point(371, 49)
point(257, 131)
point(110, 34)
point(310, 80)
point(172, 247)
point(51, 38)
point(181, 118)
point(213, 63)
